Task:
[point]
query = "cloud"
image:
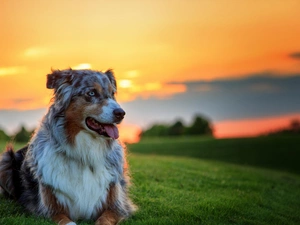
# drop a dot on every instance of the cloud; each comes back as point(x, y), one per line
point(258, 95)
point(12, 70)
point(23, 103)
point(264, 87)
point(22, 100)
point(295, 55)
point(124, 83)
point(35, 52)
point(251, 83)
point(195, 86)
point(130, 91)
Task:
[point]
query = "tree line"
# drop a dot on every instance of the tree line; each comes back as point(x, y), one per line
point(22, 135)
point(292, 129)
point(200, 126)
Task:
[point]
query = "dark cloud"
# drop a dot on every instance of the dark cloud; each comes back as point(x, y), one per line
point(251, 84)
point(295, 55)
point(258, 95)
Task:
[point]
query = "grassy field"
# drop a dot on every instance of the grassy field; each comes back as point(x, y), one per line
point(206, 181)
point(278, 153)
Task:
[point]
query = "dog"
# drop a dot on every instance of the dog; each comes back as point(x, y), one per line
point(74, 166)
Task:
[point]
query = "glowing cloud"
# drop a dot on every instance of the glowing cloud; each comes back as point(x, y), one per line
point(125, 83)
point(82, 66)
point(131, 90)
point(12, 70)
point(35, 52)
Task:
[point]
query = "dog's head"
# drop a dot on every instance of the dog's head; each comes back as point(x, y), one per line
point(86, 101)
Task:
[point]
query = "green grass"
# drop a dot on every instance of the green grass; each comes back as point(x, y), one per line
point(206, 181)
point(279, 153)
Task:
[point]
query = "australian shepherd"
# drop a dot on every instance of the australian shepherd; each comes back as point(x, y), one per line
point(73, 167)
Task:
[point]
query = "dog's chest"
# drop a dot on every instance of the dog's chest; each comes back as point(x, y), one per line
point(80, 187)
point(83, 190)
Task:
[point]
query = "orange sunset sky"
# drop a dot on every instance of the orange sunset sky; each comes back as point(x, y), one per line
point(157, 50)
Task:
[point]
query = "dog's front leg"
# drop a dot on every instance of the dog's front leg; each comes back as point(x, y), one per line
point(114, 205)
point(59, 214)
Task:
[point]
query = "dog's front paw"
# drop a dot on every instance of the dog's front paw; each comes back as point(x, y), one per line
point(62, 219)
point(71, 223)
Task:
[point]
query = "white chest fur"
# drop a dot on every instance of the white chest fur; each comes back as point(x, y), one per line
point(81, 185)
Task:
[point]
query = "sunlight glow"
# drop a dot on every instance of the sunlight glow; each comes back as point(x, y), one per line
point(82, 66)
point(125, 83)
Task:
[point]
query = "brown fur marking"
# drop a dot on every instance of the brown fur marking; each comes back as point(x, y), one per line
point(112, 194)
point(74, 117)
point(99, 88)
point(108, 217)
point(59, 213)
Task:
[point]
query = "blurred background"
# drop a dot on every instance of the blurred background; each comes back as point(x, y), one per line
point(232, 65)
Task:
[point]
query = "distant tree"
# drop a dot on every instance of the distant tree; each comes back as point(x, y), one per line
point(155, 131)
point(3, 136)
point(176, 129)
point(200, 126)
point(292, 129)
point(295, 126)
point(22, 135)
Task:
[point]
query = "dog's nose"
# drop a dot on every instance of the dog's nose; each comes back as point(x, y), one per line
point(119, 113)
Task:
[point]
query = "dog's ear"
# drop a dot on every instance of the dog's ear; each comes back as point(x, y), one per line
point(57, 78)
point(110, 74)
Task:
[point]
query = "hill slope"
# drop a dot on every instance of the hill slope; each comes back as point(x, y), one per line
point(184, 190)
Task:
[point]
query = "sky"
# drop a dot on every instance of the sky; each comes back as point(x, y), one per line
point(235, 62)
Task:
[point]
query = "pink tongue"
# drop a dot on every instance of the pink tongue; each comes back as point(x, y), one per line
point(111, 130)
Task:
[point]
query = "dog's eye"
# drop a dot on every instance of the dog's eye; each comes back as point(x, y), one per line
point(91, 93)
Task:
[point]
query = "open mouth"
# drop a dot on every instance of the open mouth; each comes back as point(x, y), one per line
point(107, 130)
